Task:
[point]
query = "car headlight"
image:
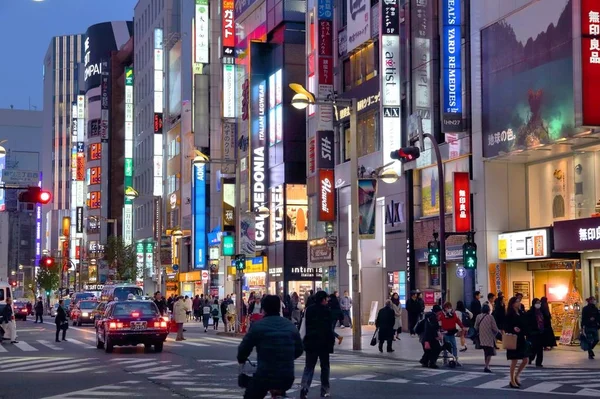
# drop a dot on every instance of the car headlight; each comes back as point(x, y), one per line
point(85, 314)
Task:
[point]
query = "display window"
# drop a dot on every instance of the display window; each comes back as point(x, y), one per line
point(303, 287)
point(564, 189)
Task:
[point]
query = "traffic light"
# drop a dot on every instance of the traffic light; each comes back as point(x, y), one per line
point(406, 154)
point(433, 253)
point(35, 195)
point(46, 261)
point(470, 255)
point(13, 283)
point(240, 262)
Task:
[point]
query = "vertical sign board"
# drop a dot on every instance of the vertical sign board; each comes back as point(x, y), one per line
point(229, 103)
point(359, 23)
point(326, 196)
point(258, 170)
point(452, 121)
point(158, 116)
point(199, 215)
point(128, 175)
point(104, 106)
point(325, 62)
point(590, 61)
point(324, 150)
point(201, 31)
point(390, 97)
point(461, 202)
point(227, 24)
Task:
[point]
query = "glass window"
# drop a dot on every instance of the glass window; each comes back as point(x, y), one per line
point(143, 308)
point(360, 67)
point(121, 293)
point(368, 135)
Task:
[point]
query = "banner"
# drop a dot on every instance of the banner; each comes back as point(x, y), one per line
point(247, 240)
point(367, 199)
point(497, 278)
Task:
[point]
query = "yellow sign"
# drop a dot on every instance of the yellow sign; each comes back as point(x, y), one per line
point(502, 254)
point(190, 276)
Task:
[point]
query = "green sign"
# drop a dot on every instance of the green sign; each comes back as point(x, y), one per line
point(140, 248)
point(128, 167)
point(128, 76)
point(149, 248)
point(228, 245)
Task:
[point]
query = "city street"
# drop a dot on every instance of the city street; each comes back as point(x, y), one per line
point(204, 366)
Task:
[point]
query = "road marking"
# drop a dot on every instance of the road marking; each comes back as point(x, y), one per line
point(193, 343)
point(587, 392)
point(44, 366)
point(125, 360)
point(146, 364)
point(25, 347)
point(49, 345)
point(2, 348)
point(153, 370)
point(359, 377)
point(206, 389)
point(81, 370)
point(543, 387)
point(589, 385)
point(460, 378)
point(495, 384)
point(81, 343)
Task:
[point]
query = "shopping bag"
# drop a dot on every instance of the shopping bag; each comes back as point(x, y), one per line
point(374, 339)
point(583, 342)
point(346, 321)
point(509, 341)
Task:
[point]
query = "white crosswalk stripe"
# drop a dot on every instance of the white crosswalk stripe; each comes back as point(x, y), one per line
point(103, 391)
point(73, 344)
point(71, 365)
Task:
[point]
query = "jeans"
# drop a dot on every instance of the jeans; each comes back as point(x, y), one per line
point(59, 327)
point(537, 349)
point(216, 323)
point(592, 337)
point(346, 313)
point(309, 370)
point(179, 331)
point(333, 324)
point(205, 319)
point(451, 339)
point(40, 316)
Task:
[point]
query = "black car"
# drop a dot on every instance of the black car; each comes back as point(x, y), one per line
point(131, 323)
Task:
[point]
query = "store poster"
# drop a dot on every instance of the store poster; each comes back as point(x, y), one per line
point(247, 233)
point(367, 198)
point(497, 278)
point(429, 186)
point(296, 213)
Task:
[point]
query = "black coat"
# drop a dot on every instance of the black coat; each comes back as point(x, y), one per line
point(39, 307)
point(475, 307)
point(499, 313)
point(386, 318)
point(532, 327)
point(336, 310)
point(590, 316)
point(7, 314)
point(319, 336)
point(432, 328)
point(413, 307)
point(61, 315)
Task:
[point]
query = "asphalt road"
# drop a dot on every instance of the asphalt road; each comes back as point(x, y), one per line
point(204, 366)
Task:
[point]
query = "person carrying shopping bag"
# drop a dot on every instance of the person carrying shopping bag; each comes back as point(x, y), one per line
point(514, 342)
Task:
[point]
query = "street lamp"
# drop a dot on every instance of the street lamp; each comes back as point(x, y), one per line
point(302, 99)
point(2, 149)
point(131, 193)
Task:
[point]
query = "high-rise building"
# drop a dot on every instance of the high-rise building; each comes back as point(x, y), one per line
point(62, 66)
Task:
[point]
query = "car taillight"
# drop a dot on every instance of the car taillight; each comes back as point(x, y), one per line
point(163, 324)
point(135, 314)
point(115, 325)
point(24, 310)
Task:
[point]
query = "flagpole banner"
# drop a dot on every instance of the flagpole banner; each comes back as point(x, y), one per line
point(367, 198)
point(247, 234)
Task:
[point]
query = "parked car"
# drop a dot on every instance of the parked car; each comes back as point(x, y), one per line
point(131, 323)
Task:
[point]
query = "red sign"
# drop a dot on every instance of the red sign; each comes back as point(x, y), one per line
point(590, 61)
point(325, 38)
point(158, 123)
point(228, 34)
point(325, 70)
point(326, 196)
point(462, 202)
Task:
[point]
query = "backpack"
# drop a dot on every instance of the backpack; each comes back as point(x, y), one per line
point(466, 319)
point(215, 312)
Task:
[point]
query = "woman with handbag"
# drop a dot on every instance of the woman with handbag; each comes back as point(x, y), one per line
point(486, 328)
point(61, 321)
point(514, 340)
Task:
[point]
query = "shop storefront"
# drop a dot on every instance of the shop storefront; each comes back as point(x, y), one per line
point(190, 283)
point(255, 276)
point(303, 279)
point(321, 255)
point(171, 284)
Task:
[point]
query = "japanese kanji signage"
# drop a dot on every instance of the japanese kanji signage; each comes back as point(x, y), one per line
point(527, 244)
point(461, 202)
point(577, 235)
point(390, 18)
point(590, 61)
point(228, 34)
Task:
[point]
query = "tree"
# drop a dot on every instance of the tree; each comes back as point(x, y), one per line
point(122, 258)
point(48, 278)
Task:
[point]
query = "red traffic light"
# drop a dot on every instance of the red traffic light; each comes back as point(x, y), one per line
point(406, 154)
point(48, 261)
point(13, 283)
point(35, 195)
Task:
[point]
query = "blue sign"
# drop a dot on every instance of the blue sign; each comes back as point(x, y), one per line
point(325, 9)
point(199, 215)
point(452, 121)
point(175, 267)
point(461, 272)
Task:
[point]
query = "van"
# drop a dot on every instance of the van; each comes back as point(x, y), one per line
point(119, 292)
point(5, 291)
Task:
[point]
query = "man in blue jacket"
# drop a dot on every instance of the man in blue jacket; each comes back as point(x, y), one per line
point(277, 344)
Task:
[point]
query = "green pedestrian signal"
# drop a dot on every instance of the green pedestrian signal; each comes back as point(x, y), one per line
point(433, 253)
point(470, 255)
point(240, 262)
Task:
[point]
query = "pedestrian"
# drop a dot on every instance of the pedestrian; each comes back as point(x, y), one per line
point(430, 335)
point(277, 344)
point(180, 316)
point(385, 324)
point(223, 308)
point(170, 302)
point(160, 303)
point(188, 306)
point(29, 307)
point(475, 305)
point(39, 310)
point(449, 321)
point(255, 310)
point(318, 343)
point(516, 323)
point(520, 298)
point(397, 308)
point(206, 314)
point(7, 319)
point(549, 338)
point(336, 315)
point(62, 324)
point(499, 311)
point(215, 313)
point(231, 315)
point(287, 306)
point(535, 332)
point(196, 303)
point(590, 322)
point(491, 297)
point(486, 327)
point(413, 309)
point(346, 306)
point(466, 317)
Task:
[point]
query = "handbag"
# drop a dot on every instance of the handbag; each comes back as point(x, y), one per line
point(509, 341)
point(64, 325)
point(374, 338)
point(243, 377)
point(583, 342)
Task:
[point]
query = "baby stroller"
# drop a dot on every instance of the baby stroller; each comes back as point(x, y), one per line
point(446, 355)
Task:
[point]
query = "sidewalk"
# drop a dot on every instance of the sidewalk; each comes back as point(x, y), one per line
point(409, 348)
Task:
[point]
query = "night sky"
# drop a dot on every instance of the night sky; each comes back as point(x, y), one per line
point(26, 28)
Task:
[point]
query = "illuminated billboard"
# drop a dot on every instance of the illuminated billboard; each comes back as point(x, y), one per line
point(199, 215)
point(201, 31)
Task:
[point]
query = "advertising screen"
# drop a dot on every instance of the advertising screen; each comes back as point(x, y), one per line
point(175, 79)
point(199, 215)
point(527, 78)
point(296, 212)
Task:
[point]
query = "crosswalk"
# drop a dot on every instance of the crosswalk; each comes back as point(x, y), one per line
point(88, 342)
point(75, 365)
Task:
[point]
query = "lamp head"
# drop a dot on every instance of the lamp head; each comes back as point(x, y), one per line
point(131, 193)
point(300, 101)
point(389, 176)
